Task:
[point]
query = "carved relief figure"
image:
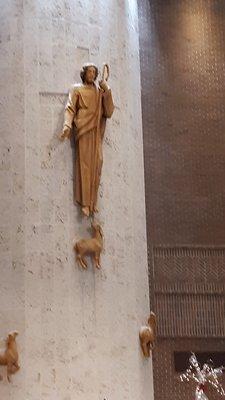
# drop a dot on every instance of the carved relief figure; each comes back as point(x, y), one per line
point(87, 109)
point(9, 357)
point(147, 335)
point(90, 247)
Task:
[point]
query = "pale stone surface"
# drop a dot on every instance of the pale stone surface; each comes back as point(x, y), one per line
point(78, 329)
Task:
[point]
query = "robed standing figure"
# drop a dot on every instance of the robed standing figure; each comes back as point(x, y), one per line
point(87, 109)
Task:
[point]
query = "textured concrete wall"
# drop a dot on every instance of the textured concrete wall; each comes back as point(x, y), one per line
point(78, 329)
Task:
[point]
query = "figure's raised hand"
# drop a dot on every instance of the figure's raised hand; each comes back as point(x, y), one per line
point(65, 134)
point(103, 85)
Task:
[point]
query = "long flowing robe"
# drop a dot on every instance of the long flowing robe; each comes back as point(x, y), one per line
point(87, 109)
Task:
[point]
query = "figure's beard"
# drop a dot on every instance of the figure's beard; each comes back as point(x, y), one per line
point(90, 81)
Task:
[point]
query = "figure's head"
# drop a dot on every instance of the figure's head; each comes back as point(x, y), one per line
point(89, 73)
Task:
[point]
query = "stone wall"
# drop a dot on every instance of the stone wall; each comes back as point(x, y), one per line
point(78, 329)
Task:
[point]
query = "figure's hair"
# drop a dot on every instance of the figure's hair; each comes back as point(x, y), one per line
point(84, 71)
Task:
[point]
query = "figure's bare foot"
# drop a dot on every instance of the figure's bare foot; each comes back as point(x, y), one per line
point(86, 211)
point(95, 209)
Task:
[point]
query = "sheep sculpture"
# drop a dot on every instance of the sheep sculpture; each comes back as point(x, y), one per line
point(9, 357)
point(147, 335)
point(90, 247)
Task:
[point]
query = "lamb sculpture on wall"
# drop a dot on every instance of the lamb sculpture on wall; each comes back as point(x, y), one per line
point(147, 335)
point(90, 247)
point(9, 357)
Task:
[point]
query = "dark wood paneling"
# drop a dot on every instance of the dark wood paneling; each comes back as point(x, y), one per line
point(183, 100)
point(182, 53)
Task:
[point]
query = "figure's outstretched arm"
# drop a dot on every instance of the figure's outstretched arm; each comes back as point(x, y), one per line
point(71, 107)
point(107, 100)
point(70, 112)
